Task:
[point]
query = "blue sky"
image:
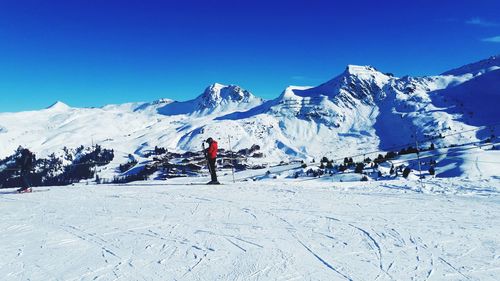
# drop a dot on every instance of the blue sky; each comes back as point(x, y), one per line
point(95, 52)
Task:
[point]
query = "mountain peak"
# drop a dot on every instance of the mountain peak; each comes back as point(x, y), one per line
point(356, 84)
point(217, 94)
point(216, 98)
point(59, 106)
point(217, 86)
point(364, 72)
point(359, 69)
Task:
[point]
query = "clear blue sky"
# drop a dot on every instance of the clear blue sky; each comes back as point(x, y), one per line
point(96, 52)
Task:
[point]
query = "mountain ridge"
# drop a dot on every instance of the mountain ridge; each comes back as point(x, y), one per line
point(361, 109)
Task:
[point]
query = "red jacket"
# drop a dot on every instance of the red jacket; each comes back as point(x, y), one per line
point(212, 150)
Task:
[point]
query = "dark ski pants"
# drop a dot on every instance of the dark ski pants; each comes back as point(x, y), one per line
point(26, 180)
point(211, 168)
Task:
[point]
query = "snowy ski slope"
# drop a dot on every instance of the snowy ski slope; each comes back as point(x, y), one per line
point(266, 230)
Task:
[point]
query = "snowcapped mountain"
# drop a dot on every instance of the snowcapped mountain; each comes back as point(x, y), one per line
point(331, 102)
point(215, 99)
point(364, 109)
point(359, 111)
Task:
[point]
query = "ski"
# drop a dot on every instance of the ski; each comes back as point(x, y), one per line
point(32, 191)
point(24, 192)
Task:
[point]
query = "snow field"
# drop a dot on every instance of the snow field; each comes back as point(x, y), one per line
point(270, 230)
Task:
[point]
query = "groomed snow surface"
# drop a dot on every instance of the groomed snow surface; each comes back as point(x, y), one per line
point(276, 229)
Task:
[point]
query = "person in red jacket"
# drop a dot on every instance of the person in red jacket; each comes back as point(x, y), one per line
point(211, 157)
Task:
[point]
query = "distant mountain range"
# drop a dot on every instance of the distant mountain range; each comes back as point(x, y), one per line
point(360, 110)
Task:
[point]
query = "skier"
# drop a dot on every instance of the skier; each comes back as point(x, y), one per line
point(25, 163)
point(211, 154)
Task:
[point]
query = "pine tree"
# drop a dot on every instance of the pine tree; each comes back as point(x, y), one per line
point(406, 172)
point(432, 171)
point(359, 168)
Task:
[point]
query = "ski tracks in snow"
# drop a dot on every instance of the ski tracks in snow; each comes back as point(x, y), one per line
point(249, 231)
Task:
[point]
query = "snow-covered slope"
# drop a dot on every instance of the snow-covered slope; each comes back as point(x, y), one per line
point(477, 68)
point(478, 98)
point(270, 230)
point(360, 111)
